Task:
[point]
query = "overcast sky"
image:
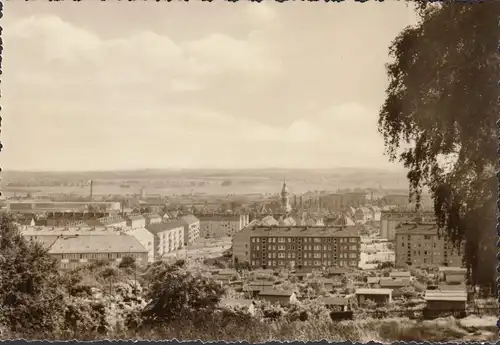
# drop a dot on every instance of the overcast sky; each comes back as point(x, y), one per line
point(118, 85)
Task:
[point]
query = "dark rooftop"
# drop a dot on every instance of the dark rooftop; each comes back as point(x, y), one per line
point(304, 231)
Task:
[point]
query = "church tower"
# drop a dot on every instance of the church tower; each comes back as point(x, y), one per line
point(285, 202)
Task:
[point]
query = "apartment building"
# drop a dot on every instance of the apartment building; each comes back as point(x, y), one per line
point(298, 247)
point(72, 252)
point(168, 236)
point(241, 240)
point(389, 220)
point(191, 229)
point(418, 244)
point(220, 225)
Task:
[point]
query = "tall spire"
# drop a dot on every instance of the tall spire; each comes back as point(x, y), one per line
point(285, 202)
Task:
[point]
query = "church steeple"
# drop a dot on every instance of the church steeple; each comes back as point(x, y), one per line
point(285, 202)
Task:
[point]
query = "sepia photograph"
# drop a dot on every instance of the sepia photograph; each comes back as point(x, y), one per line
point(249, 171)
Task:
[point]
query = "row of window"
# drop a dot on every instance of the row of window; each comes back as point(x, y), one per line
point(305, 239)
point(305, 247)
point(306, 255)
point(96, 256)
point(317, 263)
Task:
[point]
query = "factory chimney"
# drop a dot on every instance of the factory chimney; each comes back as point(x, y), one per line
point(91, 191)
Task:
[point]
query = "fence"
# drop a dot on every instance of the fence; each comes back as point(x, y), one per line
point(426, 313)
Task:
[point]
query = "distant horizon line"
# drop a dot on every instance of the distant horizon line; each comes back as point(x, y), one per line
point(399, 169)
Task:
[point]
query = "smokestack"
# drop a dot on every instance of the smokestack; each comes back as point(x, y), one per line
point(91, 191)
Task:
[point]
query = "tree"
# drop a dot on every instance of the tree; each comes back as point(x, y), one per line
point(127, 261)
point(439, 120)
point(176, 293)
point(31, 300)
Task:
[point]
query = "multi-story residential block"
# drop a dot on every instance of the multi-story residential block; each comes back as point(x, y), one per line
point(168, 236)
point(298, 246)
point(389, 220)
point(191, 229)
point(419, 244)
point(220, 225)
point(73, 251)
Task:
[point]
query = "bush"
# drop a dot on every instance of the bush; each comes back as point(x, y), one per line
point(127, 262)
point(175, 293)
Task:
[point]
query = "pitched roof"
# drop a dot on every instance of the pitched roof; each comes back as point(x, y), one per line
point(452, 270)
point(408, 228)
point(97, 244)
point(451, 296)
point(288, 221)
point(218, 217)
point(136, 217)
point(304, 231)
point(268, 220)
point(236, 302)
point(111, 220)
point(389, 282)
point(189, 219)
point(261, 283)
point(165, 226)
point(400, 274)
point(365, 210)
point(267, 292)
point(373, 292)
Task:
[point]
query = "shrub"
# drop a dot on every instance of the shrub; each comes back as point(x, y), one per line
point(127, 262)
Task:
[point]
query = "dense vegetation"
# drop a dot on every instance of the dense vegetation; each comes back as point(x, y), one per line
point(160, 301)
point(439, 120)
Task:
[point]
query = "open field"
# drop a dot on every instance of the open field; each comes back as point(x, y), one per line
point(203, 182)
